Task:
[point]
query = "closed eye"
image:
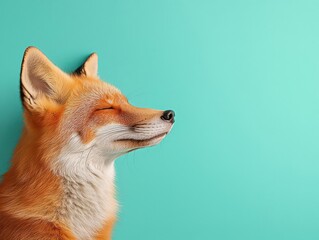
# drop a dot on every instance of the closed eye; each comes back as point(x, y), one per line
point(105, 108)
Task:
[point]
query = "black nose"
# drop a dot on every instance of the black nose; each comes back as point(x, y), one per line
point(168, 116)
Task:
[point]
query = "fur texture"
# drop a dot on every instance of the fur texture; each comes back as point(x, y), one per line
point(61, 182)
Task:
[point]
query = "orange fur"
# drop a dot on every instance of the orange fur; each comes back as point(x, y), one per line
point(57, 105)
point(32, 229)
point(106, 232)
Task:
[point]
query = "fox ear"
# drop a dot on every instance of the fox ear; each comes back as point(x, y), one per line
point(40, 77)
point(89, 67)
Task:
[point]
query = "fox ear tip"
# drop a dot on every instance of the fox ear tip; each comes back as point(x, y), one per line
point(31, 53)
point(89, 67)
point(93, 56)
point(31, 49)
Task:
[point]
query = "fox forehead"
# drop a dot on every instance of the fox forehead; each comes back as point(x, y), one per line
point(94, 88)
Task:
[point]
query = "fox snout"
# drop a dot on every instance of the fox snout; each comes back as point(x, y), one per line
point(148, 127)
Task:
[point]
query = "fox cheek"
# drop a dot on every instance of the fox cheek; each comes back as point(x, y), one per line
point(87, 135)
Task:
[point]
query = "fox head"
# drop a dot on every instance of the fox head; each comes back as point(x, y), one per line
point(78, 111)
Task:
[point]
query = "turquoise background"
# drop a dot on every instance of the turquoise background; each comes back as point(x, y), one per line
point(242, 162)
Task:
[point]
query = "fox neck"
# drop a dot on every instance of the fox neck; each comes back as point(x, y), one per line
point(77, 191)
point(88, 183)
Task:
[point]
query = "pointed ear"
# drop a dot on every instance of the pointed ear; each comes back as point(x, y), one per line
point(39, 78)
point(89, 67)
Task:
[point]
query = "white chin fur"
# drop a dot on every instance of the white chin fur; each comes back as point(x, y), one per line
point(87, 171)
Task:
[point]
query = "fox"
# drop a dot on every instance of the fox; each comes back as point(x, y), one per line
point(61, 182)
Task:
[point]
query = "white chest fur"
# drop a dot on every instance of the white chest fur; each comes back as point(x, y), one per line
point(88, 183)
